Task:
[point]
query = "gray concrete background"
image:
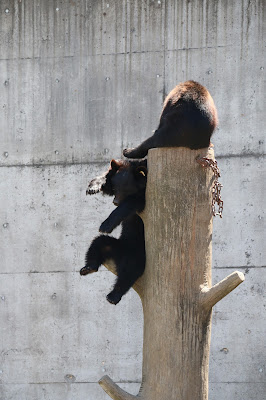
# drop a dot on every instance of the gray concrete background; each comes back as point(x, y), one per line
point(80, 80)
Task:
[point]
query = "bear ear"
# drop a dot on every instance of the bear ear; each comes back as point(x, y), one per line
point(141, 172)
point(114, 165)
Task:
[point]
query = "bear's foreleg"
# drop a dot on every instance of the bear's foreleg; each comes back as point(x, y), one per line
point(129, 207)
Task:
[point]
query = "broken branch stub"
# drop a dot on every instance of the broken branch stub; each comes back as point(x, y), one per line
point(211, 296)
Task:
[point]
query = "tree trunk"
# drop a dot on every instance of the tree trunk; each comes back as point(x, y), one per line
point(175, 289)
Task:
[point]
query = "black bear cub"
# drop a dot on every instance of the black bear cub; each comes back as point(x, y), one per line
point(188, 119)
point(126, 180)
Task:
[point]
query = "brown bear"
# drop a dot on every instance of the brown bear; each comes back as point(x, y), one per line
point(188, 119)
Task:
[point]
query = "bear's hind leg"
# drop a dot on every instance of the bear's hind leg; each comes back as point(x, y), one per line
point(101, 248)
point(128, 273)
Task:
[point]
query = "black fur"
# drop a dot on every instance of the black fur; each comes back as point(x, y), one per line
point(188, 119)
point(127, 182)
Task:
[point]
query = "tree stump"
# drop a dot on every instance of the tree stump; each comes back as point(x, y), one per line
point(175, 289)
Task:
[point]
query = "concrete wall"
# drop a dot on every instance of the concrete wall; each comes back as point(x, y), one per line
point(80, 80)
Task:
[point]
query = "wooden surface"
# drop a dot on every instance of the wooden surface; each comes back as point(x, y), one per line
point(175, 289)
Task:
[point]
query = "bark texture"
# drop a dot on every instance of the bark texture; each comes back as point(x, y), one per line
point(175, 289)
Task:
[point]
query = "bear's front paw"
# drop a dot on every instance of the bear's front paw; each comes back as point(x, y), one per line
point(106, 226)
point(114, 297)
point(88, 269)
point(127, 152)
point(134, 153)
point(92, 191)
point(94, 187)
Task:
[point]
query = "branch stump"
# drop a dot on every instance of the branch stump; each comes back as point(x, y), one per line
point(175, 289)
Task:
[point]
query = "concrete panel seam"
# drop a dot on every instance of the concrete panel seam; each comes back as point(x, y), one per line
point(65, 164)
point(116, 54)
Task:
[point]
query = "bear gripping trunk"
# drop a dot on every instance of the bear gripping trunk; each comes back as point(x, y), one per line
point(175, 289)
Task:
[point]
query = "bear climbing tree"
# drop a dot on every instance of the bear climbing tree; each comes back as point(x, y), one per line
point(175, 290)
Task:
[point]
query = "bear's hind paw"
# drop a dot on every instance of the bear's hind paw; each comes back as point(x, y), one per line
point(113, 297)
point(88, 270)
